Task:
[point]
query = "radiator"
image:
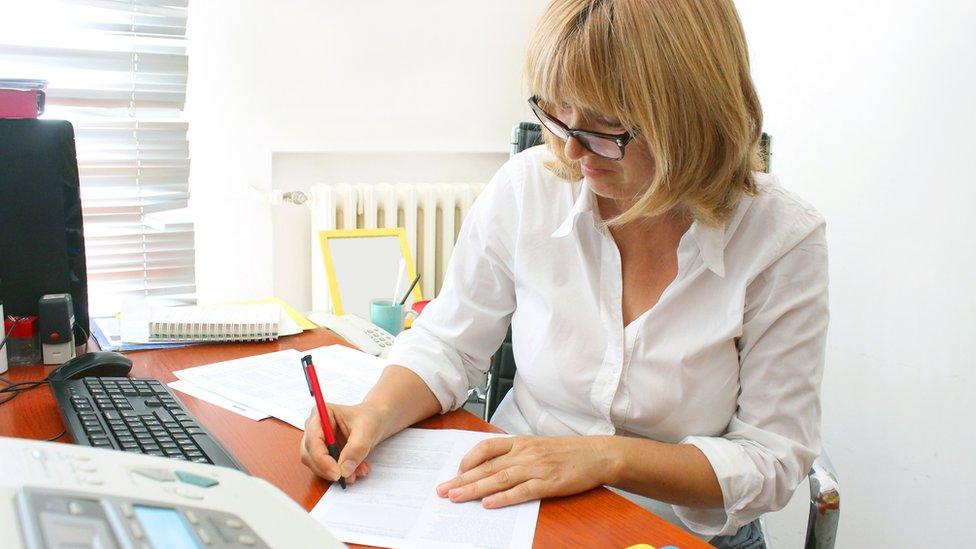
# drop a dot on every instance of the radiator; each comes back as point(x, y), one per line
point(431, 214)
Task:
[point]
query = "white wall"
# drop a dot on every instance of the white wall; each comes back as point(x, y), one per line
point(330, 76)
point(871, 108)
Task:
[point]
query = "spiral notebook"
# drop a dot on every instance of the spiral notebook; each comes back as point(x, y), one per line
point(215, 323)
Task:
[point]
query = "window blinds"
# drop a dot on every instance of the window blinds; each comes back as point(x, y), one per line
point(117, 70)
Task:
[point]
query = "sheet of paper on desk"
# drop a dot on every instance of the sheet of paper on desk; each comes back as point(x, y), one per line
point(274, 383)
point(396, 505)
point(213, 398)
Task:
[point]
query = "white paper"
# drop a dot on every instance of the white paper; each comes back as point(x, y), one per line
point(213, 398)
point(397, 506)
point(274, 383)
point(134, 323)
point(287, 325)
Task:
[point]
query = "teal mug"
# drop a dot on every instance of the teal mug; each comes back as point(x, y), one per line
point(387, 315)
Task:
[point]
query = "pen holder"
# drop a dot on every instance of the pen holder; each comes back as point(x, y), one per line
point(387, 315)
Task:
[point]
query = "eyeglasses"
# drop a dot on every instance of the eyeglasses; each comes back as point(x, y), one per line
point(606, 145)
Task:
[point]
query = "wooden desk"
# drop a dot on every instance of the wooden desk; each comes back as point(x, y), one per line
point(269, 449)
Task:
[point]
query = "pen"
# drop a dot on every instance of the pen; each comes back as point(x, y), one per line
point(416, 279)
point(316, 391)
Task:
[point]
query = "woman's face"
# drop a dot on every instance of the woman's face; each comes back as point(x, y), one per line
point(622, 181)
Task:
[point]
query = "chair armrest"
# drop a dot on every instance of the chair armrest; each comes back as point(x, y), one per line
point(824, 504)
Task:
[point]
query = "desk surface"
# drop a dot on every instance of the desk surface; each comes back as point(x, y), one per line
point(269, 449)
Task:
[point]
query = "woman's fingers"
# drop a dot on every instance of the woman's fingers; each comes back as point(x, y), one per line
point(482, 471)
point(500, 481)
point(484, 451)
point(315, 455)
point(527, 491)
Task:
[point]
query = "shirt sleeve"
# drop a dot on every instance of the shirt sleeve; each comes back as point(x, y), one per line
point(774, 436)
point(450, 345)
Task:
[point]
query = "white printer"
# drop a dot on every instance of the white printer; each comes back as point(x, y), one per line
point(58, 496)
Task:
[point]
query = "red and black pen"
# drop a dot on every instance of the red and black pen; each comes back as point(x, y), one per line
point(316, 391)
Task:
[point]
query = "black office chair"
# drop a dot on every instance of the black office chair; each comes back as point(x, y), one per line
point(824, 488)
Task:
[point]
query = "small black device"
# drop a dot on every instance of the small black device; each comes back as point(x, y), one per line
point(95, 364)
point(56, 320)
point(135, 415)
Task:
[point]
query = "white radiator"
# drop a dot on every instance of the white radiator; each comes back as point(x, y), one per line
point(431, 213)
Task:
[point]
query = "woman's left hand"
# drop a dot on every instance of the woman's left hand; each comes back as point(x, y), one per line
point(508, 470)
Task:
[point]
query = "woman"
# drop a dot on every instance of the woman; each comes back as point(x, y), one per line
point(668, 304)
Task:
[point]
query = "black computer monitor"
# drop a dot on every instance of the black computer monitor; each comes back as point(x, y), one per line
point(42, 241)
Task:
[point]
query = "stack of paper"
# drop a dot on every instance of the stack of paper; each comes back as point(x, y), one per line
point(273, 384)
point(396, 504)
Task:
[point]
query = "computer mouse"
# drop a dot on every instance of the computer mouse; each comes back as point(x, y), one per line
point(95, 364)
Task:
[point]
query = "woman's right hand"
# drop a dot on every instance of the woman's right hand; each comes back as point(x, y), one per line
point(359, 427)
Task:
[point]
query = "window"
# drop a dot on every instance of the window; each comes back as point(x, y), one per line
point(117, 70)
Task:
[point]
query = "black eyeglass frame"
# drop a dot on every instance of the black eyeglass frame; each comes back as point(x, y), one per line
point(619, 139)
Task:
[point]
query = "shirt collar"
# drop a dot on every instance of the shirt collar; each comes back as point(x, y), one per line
point(712, 241)
point(585, 202)
point(711, 245)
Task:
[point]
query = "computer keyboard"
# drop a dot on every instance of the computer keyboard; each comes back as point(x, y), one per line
point(135, 415)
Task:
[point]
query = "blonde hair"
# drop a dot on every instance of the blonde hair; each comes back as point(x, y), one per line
point(674, 71)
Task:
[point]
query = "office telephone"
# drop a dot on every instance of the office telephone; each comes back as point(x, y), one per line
point(58, 495)
point(362, 333)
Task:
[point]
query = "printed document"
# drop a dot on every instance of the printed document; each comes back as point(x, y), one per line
point(274, 383)
point(217, 400)
point(397, 506)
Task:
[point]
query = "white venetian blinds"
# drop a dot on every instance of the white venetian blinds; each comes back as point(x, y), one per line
point(117, 70)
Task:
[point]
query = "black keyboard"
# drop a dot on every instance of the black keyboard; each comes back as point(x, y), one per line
point(135, 415)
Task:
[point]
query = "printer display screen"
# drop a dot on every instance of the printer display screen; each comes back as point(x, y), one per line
point(165, 528)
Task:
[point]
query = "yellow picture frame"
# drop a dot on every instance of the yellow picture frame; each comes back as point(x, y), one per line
point(333, 276)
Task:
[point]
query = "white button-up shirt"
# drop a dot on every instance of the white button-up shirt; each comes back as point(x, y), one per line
point(729, 359)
